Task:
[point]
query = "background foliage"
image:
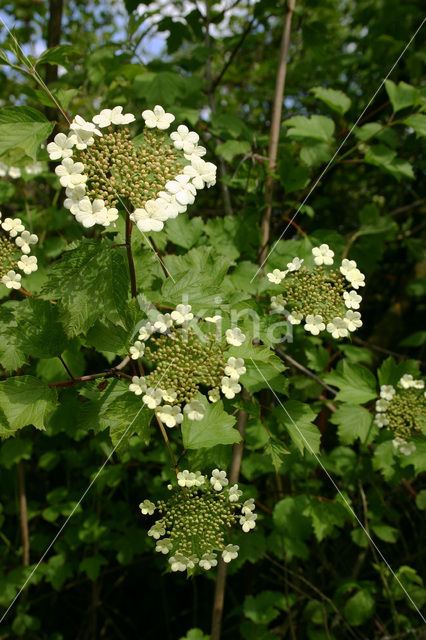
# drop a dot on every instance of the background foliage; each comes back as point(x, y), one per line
point(308, 570)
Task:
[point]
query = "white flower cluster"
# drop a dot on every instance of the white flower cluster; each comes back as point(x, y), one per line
point(15, 248)
point(188, 548)
point(320, 296)
point(177, 323)
point(172, 197)
point(71, 174)
point(399, 409)
point(16, 172)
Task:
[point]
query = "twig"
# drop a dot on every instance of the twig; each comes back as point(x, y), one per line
point(232, 56)
point(306, 371)
point(163, 266)
point(66, 367)
point(169, 449)
point(130, 256)
point(212, 104)
point(378, 563)
point(219, 594)
point(108, 373)
point(265, 226)
point(23, 515)
point(376, 347)
point(54, 28)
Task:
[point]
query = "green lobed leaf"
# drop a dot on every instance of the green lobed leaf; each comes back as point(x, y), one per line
point(401, 95)
point(417, 122)
point(264, 607)
point(232, 148)
point(26, 400)
point(335, 99)
point(57, 55)
point(103, 275)
point(353, 422)
point(183, 231)
point(277, 451)
point(23, 128)
point(264, 368)
point(390, 371)
point(92, 566)
point(215, 428)
point(14, 450)
point(356, 383)
point(359, 607)
point(297, 418)
point(40, 333)
point(316, 127)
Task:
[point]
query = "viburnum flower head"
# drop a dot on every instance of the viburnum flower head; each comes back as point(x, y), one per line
point(401, 408)
point(14, 252)
point(188, 365)
point(196, 519)
point(320, 296)
point(158, 174)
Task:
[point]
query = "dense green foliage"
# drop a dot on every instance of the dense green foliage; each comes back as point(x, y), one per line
point(313, 456)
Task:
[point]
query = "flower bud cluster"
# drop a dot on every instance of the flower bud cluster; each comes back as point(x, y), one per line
point(15, 248)
point(184, 362)
point(325, 299)
point(196, 519)
point(402, 409)
point(157, 173)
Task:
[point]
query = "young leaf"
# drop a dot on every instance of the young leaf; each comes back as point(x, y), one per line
point(277, 451)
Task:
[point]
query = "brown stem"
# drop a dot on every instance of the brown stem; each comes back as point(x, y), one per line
point(234, 52)
point(212, 104)
point(377, 559)
point(306, 371)
point(219, 594)
point(109, 373)
point(265, 226)
point(130, 256)
point(66, 367)
point(166, 440)
point(54, 28)
point(23, 515)
point(163, 266)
